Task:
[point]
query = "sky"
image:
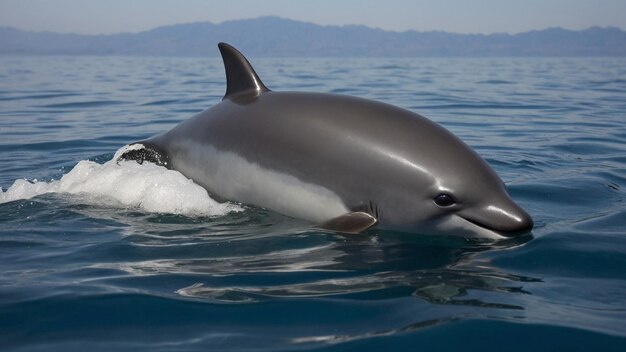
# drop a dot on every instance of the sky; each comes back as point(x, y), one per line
point(459, 16)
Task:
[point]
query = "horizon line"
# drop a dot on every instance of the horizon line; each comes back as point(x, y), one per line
point(316, 24)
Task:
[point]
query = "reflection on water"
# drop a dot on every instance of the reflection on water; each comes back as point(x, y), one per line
point(346, 338)
point(248, 268)
point(436, 269)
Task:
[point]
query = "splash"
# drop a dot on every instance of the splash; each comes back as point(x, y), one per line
point(146, 187)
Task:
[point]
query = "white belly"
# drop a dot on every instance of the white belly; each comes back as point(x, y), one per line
point(232, 177)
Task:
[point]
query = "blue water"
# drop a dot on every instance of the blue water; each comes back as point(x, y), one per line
point(79, 275)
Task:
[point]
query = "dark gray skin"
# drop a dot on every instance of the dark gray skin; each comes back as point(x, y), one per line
point(378, 164)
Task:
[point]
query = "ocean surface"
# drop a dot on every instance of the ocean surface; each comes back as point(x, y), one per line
point(99, 256)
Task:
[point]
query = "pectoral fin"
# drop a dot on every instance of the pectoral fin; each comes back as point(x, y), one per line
point(354, 223)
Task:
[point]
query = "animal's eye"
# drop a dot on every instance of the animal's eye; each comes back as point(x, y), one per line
point(444, 200)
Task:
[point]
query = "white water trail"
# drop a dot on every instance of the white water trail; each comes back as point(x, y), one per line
point(126, 184)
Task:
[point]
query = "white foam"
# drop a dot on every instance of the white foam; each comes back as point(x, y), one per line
point(147, 187)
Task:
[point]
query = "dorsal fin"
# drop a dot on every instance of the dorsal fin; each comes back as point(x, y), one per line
point(240, 76)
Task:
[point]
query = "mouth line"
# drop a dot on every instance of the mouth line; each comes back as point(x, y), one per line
point(498, 232)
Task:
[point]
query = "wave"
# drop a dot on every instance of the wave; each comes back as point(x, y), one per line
point(147, 187)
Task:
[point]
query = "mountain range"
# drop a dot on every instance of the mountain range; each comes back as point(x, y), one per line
point(279, 37)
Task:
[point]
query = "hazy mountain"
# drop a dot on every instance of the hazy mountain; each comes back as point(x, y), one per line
point(273, 36)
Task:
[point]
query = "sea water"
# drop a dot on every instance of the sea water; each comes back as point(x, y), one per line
point(99, 255)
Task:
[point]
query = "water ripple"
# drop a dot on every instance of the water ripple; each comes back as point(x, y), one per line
point(259, 281)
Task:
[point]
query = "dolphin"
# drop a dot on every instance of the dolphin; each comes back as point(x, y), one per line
point(344, 163)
